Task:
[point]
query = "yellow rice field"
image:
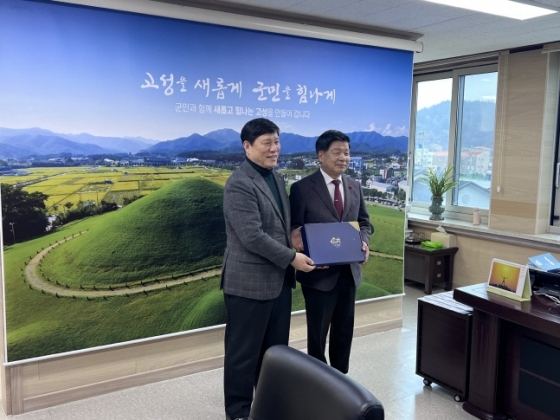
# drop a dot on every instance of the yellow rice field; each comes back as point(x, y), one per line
point(74, 184)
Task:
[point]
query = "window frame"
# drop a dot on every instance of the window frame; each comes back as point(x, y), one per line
point(451, 211)
point(554, 196)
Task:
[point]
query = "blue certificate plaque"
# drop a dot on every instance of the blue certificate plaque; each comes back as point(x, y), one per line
point(333, 243)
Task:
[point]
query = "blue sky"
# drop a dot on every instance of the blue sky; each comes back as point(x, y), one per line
point(478, 87)
point(76, 69)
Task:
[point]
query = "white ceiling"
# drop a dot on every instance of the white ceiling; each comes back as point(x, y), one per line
point(446, 31)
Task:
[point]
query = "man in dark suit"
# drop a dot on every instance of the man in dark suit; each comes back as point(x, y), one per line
point(329, 196)
point(258, 268)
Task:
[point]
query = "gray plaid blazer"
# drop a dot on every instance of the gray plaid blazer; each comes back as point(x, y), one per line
point(258, 247)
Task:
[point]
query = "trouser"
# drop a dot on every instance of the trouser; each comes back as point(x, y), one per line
point(252, 326)
point(335, 310)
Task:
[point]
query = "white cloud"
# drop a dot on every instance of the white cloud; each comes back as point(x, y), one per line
point(433, 92)
point(372, 127)
point(388, 130)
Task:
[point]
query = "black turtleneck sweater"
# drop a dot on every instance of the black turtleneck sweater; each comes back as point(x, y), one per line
point(269, 179)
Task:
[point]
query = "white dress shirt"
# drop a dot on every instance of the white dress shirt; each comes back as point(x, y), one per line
point(330, 186)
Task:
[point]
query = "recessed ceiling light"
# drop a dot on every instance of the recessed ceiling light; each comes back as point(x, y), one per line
point(505, 8)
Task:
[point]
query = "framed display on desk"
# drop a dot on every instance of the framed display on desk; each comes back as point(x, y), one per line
point(510, 280)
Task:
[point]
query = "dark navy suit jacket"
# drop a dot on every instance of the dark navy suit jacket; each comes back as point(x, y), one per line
point(310, 202)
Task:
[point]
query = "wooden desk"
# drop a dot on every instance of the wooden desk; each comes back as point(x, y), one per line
point(515, 356)
point(429, 266)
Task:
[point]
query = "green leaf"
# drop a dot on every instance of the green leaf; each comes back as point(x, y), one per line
point(439, 182)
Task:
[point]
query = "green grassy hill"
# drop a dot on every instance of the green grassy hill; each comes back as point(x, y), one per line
point(167, 232)
point(172, 231)
point(388, 236)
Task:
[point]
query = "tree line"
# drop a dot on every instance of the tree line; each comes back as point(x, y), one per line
point(25, 215)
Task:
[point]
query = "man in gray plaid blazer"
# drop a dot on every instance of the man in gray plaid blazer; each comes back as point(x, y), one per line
point(258, 270)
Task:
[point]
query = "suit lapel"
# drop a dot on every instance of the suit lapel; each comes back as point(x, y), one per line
point(348, 195)
point(261, 185)
point(322, 191)
point(283, 196)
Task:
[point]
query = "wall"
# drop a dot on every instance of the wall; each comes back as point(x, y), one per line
point(476, 251)
point(45, 382)
point(526, 117)
point(526, 112)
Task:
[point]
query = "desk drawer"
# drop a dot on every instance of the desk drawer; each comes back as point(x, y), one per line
point(440, 269)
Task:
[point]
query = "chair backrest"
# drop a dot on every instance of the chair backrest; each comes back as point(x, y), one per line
point(295, 386)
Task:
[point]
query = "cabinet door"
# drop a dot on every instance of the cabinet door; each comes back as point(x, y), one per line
point(532, 374)
point(415, 267)
point(443, 346)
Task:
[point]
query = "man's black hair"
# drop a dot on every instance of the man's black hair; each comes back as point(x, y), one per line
point(324, 140)
point(256, 128)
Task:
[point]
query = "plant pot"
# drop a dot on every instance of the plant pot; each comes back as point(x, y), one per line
point(436, 208)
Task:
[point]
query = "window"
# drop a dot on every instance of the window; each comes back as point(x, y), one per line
point(555, 198)
point(453, 125)
point(431, 137)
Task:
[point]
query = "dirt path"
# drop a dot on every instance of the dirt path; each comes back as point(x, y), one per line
point(381, 254)
point(37, 282)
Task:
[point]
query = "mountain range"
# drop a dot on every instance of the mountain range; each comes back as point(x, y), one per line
point(24, 143)
point(227, 140)
point(477, 125)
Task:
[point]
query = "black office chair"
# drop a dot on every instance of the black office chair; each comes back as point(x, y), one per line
point(295, 386)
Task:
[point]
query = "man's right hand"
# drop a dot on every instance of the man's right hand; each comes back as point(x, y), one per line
point(303, 263)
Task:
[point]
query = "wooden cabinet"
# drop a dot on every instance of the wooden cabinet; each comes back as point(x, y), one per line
point(532, 370)
point(443, 343)
point(429, 266)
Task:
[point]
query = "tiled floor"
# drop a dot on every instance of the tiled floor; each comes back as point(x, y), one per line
point(383, 362)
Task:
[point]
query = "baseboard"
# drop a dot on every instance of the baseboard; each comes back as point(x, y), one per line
point(106, 387)
point(28, 383)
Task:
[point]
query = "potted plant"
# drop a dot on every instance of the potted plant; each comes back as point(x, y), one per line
point(438, 182)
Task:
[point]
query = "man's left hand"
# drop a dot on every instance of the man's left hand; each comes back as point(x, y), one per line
point(365, 248)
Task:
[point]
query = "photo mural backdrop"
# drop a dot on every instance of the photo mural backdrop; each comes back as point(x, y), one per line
point(125, 127)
